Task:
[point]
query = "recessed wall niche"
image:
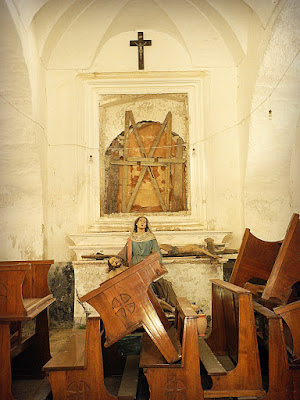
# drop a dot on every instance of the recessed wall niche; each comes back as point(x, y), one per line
point(144, 164)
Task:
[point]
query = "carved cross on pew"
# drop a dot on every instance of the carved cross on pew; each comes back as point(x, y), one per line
point(140, 43)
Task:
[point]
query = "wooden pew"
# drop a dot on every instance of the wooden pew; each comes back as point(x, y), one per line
point(233, 338)
point(24, 295)
point(77, 370)
point(125, 303)
point(277, 263)
point(181, 380)
point(255, 259)
point(286, 270)
point(282, 379)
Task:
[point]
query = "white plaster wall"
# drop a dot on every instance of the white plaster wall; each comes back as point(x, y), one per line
point(190, 36)
point(21, 211)
point(70, 149)
point(271, 184)
point(222, 158)
point(294, 173)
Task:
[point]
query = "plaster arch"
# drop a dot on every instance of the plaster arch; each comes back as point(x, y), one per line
point(272, 131)
point(169, 56)
point(61, 25)
point(223, 28)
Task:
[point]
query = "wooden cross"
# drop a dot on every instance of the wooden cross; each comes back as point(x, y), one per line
point(147, 161)
point(141, 43)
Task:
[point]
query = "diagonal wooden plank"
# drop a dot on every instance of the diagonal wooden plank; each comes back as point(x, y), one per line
point(142, 174)
point(125, 167)
point(168, 168)
point(157, 139)
point(178, 192)
point(162, 203)
point(137, 186)
point(138, 138)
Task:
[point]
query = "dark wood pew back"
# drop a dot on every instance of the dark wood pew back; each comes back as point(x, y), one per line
point(233, 338)
point(255, 259)
point(24, 289)
point(24, 295)
point(286, 270)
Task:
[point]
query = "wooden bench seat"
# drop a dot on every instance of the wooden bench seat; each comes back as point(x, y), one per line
point(178, 380)
point(233, 338)
point(78, 368)
point(126, 302)
point(24, 295)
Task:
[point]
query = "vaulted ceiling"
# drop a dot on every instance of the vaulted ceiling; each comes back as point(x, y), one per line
point(61, 26)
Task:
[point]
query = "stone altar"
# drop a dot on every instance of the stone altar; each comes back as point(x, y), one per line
point(189, 276)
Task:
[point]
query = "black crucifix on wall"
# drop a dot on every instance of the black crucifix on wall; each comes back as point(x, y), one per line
point(141, 43)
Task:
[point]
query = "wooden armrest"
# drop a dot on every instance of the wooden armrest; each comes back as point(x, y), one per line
point(36, 305)
point(185, 309)
point(229, 286)
point(266, 312)
point(287, 307)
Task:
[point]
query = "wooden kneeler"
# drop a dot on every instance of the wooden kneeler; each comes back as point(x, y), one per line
point(125, 302)
point(77, 370)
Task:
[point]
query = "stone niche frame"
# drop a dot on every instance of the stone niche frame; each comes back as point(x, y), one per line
point(112, 114)
point(89, 88)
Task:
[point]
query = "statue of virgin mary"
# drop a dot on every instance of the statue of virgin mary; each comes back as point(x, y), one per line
point(140, 244)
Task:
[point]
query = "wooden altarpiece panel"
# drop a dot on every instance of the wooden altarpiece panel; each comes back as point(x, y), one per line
point(147, 169)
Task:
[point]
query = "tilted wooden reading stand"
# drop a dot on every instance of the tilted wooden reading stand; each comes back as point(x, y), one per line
point(125, 302)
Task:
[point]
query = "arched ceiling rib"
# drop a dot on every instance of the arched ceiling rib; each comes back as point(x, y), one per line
point(152, 17)
point(64, 22)
point(222, 27)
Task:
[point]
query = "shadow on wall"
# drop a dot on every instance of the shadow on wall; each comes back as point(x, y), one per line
point(61, 284)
